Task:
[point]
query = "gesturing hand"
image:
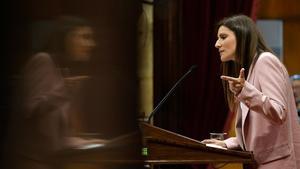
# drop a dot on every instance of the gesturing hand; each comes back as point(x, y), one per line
point(236, 84)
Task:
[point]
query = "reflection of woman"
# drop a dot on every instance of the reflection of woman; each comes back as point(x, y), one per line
point(261, 94)
point(41, 127)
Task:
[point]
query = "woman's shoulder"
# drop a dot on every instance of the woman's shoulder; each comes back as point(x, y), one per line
point(269, 59)
point(41, 60)
point(267, 55)
point(42, 56)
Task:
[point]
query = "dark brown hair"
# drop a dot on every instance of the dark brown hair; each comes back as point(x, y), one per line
point(250, 44)
point(61, 27)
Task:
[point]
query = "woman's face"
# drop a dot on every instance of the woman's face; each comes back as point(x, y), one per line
point(226, 44)
point(80, 43)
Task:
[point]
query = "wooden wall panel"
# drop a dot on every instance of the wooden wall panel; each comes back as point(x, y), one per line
point(289, 12)
point(285, 9)
point(291, 46)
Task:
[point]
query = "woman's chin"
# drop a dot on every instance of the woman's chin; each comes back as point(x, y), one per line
point(226, 59)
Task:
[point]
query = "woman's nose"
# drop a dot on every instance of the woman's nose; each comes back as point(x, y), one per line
point(217, 44)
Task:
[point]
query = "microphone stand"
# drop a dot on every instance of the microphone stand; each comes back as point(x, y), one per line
point(170, 92)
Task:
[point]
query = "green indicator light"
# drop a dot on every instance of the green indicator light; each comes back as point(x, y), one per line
point(144, 151)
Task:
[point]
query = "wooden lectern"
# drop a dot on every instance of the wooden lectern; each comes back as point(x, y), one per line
point(154, 146)
point(165, 147)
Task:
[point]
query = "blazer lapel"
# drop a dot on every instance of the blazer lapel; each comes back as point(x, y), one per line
point(244, 108)
point(245, 111)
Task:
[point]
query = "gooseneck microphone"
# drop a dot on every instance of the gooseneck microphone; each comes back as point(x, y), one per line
point(170, 92)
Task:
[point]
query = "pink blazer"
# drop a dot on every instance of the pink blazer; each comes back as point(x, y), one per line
point(40, 127)
point(267, 117)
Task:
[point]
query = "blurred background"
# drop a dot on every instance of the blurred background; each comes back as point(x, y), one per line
point(143, 48)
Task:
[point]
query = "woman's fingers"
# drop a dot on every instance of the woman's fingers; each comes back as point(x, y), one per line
point(209, 141)
point(214, 141)
point(229, 79)
point(242, 74)
point(236, 84)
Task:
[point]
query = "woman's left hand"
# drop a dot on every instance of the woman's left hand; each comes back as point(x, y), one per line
point(215, 142)
point(236, 84)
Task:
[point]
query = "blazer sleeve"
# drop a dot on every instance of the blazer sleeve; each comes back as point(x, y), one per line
point(270, 98)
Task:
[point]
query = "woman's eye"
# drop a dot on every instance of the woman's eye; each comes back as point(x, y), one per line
point(223, 37)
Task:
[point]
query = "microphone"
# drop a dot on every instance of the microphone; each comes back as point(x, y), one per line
point(170, 92)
